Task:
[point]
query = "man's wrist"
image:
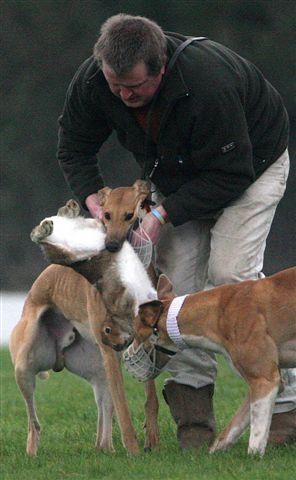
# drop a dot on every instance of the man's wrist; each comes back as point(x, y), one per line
point(161, 214)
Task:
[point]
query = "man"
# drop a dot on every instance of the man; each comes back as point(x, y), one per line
point(211, 133)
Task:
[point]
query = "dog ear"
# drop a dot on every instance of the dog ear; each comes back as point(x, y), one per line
point(143, 196)
point(125, 302)
point(103, 194)
point(164, 287)
point(150, 312)
point(117, 299)
point(142, 187)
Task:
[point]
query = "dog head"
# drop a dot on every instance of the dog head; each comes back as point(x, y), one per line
point(122, 206)
point(117, 328)
point(150, 313)
point(122, 326)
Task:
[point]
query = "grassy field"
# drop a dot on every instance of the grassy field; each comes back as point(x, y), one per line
point(68, 417)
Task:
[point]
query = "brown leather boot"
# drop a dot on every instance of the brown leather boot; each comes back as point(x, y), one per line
point(192, 410)
point(283, 428)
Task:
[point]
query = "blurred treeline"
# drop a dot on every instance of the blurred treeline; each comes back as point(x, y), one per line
point(43, 43)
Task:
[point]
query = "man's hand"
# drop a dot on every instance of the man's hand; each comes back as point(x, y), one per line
point(94, 207)
point(152, 225)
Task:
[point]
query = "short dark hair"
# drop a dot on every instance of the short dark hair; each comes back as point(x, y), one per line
point(127, 40)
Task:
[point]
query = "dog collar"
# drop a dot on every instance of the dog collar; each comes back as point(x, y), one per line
point(172, 323)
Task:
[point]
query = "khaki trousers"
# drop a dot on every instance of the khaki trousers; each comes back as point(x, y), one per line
point(203, 254)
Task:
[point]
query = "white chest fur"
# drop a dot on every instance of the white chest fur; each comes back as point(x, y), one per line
point(134, 276)
point(85, 237)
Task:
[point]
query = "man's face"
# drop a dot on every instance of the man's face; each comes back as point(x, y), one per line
point(135, 88)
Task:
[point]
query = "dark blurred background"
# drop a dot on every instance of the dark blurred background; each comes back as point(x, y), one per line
point(43, 43)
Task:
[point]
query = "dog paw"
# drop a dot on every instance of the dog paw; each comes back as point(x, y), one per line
point(70, 210)
point(42, 231)
point(256, 451)
point(152, 438)
point(105, 447)
point(217, 446)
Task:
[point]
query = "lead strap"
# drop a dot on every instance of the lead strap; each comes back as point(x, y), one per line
point(172, 323)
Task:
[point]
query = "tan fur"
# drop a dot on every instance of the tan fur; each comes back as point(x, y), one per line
point(64, 289)
point(253, 323)
point(121, 208)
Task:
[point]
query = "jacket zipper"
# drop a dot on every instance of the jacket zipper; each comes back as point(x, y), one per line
point(164, 119)
point(156, 163)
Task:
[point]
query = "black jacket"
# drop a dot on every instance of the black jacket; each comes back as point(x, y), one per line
point(222, 124)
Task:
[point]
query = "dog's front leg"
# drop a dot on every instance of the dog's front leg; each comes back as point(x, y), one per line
point(104, 403)
point(42, 231)
point(116, 385)
point(151, 414)
point(234, 429)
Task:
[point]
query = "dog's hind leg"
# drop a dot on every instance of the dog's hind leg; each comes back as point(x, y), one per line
point(151, 414)
point(26, 382)
point(263, 395)
point(27, 345)
point(264, 379)
point(83, 358)
point(234, 429)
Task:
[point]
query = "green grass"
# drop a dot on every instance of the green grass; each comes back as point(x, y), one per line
point(67, 414)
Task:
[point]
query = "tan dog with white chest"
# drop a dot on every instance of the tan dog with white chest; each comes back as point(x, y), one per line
point(252, 323)
point(38, 344)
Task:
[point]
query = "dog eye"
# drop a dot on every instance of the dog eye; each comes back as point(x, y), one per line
point(107, 216)
point(129, 216)
point(108, 330)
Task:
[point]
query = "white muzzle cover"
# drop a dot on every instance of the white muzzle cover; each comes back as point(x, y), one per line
point(140, 363)
point(142, 245)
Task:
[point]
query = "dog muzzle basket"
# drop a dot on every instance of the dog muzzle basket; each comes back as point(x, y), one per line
point(140, 363)
point(142, 245)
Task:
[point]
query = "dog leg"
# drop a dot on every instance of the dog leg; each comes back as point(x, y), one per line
point(105, 414)
point(26, 383)
point(70, 210)
point(263, 389)
point(42, 231)
point(116, 386)
point(261, 408)
point(151, 414)
point(234, 429)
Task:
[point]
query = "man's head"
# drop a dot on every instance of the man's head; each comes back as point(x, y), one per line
point(132, 53)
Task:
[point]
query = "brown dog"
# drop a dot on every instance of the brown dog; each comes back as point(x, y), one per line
point(92, 264)
point(44, 339)
point(252, 323)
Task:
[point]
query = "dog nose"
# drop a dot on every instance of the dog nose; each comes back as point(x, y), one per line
point(113, 246)
point(122, 346)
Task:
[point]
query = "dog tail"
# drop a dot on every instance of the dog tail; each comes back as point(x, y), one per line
point(43, 375)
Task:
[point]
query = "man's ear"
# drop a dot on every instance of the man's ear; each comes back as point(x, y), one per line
point(103, 194)
point(164, 287)
point(150, 312)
